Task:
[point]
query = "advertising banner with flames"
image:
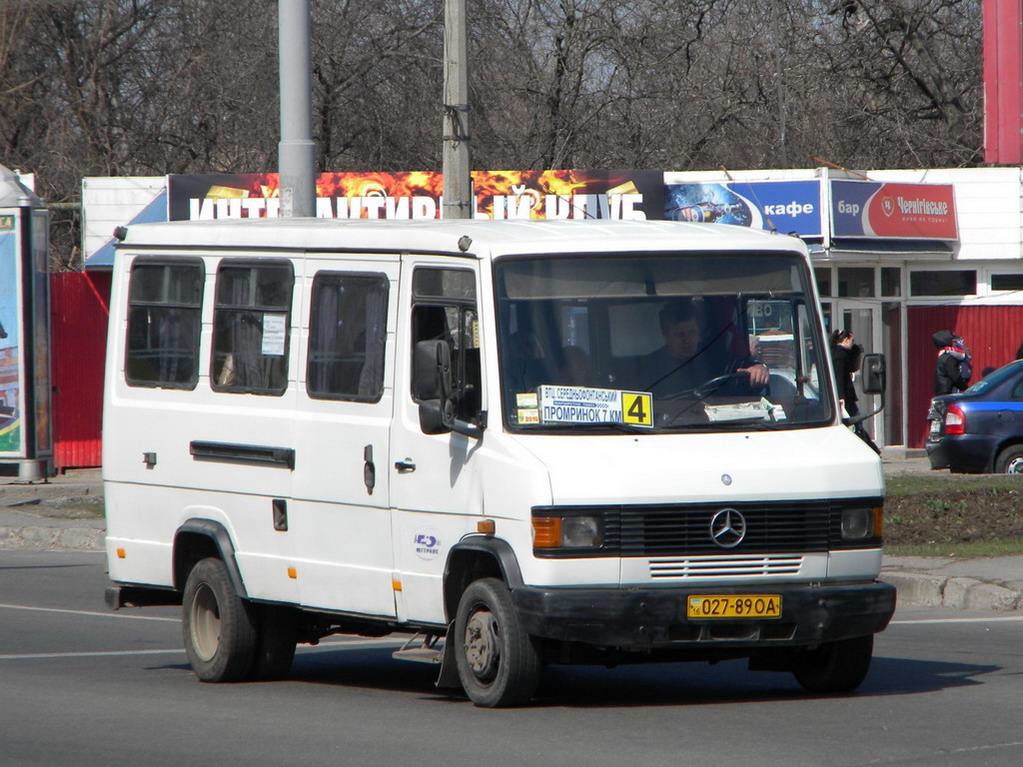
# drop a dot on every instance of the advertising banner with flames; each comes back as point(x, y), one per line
point(564, 194)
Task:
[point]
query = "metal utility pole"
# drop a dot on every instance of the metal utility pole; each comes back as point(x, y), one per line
point(296, 151)
point(457, 184)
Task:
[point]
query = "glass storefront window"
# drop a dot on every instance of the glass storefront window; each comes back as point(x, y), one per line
point(891, 281)
point(959, 282)
point(855, 281)
point(823, 277)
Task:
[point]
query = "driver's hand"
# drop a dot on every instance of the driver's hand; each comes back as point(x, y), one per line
point(758, 374)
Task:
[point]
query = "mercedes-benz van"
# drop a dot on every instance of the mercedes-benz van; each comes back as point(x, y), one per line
point(527, 443)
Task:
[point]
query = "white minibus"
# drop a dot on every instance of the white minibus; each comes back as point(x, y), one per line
point(520, 443)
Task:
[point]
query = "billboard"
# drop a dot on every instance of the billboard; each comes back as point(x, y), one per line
point(877, 210)
point(418, 195)
point(790, 207)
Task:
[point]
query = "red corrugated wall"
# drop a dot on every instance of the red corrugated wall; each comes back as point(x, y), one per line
point(79, 307)
point(993, 334)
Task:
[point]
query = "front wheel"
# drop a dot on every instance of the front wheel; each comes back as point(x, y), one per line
point(219, 627)
point(833, 667)
point(498, 662)
point(1010, 460)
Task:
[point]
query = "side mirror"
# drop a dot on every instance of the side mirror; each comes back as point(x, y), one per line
point(431, 371)
point(874, 371)
point(431, 385)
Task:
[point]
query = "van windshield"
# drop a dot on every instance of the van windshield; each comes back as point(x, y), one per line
point(660, 342)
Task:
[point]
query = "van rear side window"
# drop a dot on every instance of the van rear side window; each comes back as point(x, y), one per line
point(251, 322)
point(347, 332)
point(164, 320)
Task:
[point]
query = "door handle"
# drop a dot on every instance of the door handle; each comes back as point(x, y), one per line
point(406, 466)
point(369, 469)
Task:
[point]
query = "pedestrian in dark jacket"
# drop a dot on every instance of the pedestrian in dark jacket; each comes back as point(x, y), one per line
point(952, 370)
point(845, 356)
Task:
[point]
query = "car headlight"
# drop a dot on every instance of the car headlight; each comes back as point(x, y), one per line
point(860, 524)
point(576, 531)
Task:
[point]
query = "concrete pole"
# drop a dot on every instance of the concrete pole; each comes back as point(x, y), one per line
point(457, 183)
point(296, 151)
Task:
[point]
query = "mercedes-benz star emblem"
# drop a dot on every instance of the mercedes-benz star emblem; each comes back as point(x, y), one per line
point(728, 528)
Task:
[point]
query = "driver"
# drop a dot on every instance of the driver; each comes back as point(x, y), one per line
point(683, 364)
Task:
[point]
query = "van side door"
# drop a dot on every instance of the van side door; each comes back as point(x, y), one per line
point(340, 510)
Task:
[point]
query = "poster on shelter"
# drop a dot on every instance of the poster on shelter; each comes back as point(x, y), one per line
point(418, 195)
point(10, 370)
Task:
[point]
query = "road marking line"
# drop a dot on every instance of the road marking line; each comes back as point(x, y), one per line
point(90, 613)
point(94, 654)
point(354, 644)
point(948, 752)
point(926, 621)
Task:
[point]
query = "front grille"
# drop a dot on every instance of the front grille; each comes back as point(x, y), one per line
point(684, 530)
point(724, 566)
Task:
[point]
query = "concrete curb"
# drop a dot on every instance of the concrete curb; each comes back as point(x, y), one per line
point(959, 592)
point(52, 538)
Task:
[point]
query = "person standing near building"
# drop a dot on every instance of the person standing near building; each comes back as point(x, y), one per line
point(845, 357)
point(953, 368)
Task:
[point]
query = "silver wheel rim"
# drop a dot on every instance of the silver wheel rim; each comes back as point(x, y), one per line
point(205, 622)
point(482, 645)
point(1015, 466)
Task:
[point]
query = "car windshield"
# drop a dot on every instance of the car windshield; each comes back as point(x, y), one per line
point(660, 342)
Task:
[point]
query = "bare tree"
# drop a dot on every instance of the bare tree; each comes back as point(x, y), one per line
point(131, 87)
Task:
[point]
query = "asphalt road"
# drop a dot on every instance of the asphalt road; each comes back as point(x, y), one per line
point(82, 686)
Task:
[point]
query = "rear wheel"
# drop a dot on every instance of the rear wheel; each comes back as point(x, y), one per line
point(219, 627)
point(275, 643)
point(498, 662)
point(1010, 460)
point(835, 666)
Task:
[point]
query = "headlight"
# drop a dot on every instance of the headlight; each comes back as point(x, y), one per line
point(583, 531)
point(862, 523)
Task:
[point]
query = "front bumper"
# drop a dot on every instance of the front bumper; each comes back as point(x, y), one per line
point(652, 618)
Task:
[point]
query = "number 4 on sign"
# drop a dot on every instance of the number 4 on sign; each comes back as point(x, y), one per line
point(637, 408)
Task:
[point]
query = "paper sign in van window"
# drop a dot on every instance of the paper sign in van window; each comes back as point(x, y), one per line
point(274, 332)
point(584, 404)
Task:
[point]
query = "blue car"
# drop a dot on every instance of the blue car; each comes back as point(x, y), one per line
point(980, 430)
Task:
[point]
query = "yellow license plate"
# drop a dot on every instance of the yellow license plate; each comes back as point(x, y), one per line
point(734, 606)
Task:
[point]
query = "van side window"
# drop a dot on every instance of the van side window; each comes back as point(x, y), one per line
point(444, 308)
point(347, 332)
point(164, 320)
point(251, 322)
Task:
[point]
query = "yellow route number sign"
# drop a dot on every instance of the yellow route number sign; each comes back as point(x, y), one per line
point(638, 408)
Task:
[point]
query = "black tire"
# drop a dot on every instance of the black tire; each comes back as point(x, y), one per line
point(498, 662)
point(835, 667)
point(219, 628)
point(275, 643)
point(1010, 460)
